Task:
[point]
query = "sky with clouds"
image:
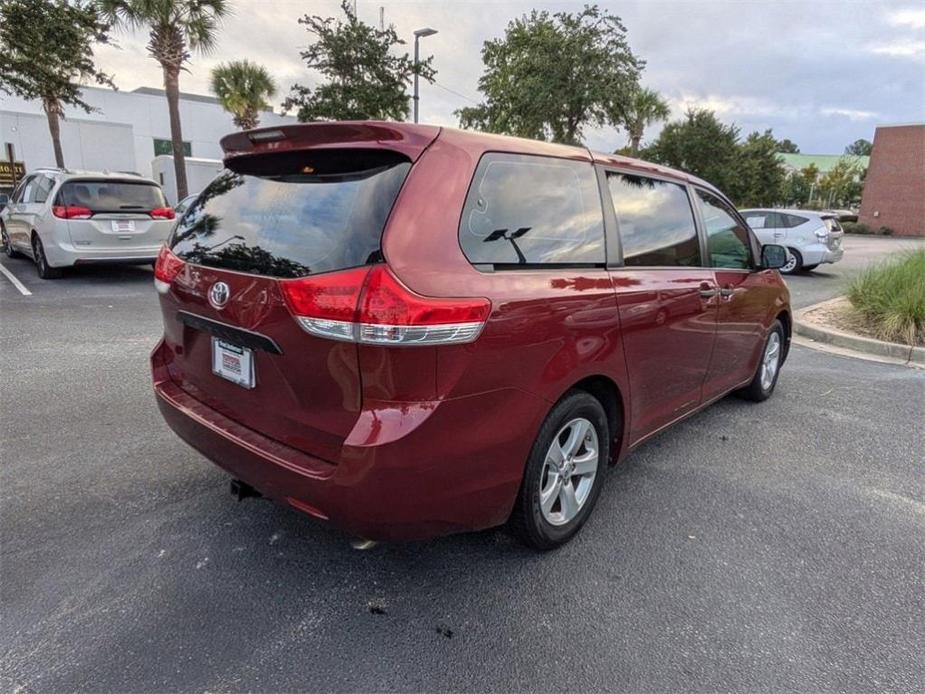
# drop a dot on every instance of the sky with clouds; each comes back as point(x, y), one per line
point(821, 73)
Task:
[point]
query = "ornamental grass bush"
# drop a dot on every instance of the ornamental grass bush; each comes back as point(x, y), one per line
point(891, 296)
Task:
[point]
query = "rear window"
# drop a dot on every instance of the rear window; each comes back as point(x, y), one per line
point(112, 196)
point(527, 210)
point(293, 214)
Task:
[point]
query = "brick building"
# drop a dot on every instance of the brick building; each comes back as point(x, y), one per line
point(894, 190)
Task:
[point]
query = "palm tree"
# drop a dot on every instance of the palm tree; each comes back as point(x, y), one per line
point(243, 88)
point(176, 27)
point(645, 108)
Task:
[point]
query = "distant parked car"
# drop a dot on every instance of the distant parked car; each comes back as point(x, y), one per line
point(811, 238)
point(61, 218)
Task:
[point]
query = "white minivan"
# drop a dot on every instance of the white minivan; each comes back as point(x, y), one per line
point(61, 218)
point(811, 238)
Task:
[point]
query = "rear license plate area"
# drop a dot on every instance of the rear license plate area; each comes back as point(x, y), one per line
point(121, 226)
point(233, 363)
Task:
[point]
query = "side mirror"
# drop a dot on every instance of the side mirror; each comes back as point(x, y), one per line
point(773, 256)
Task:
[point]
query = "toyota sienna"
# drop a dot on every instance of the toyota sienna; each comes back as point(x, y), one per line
point(408, 331)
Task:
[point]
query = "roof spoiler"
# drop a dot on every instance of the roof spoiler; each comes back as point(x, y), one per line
point(410, 140)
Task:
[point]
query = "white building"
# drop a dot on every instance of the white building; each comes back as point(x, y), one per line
point(124, 132)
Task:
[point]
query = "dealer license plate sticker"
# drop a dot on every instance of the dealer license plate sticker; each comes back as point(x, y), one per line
point(233, 363)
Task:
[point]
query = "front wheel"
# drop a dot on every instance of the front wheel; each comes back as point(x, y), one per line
point(772, 356)
point(45, 271)
point(7, 244)
point(810, 268)
point(564, 473)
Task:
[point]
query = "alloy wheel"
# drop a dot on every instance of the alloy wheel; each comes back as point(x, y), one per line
point(770, 362)
point(568, 473)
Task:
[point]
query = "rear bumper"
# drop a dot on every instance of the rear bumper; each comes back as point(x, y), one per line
point(436, 474)
point(819, 253)
point(65, 255)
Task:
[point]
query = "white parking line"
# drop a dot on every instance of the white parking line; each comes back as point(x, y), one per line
point(16, 283)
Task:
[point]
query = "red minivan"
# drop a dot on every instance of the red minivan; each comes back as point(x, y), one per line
point(408, 330)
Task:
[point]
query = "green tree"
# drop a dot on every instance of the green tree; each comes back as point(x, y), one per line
point(362, 77)
point(46, 53)
point(860, 148)
point(175, 27)
point(243, 88)
point(787, 146)
point(760, 175)
point(699, 144)
point(841, 185)
point(553, 74)
point(644, 108)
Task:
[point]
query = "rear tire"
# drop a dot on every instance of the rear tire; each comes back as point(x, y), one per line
point(768, 371)
point(45, 271)
point(794, 262)
point(564, 473)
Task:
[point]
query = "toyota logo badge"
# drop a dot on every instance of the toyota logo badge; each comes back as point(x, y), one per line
point(218, 294)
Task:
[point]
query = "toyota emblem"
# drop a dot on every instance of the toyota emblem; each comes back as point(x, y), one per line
point(218, 294)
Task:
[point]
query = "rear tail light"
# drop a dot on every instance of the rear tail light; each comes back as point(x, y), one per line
point(166, 269)
point(163, 213)
point(370, 306)
point(822, 232)
point(71, 212)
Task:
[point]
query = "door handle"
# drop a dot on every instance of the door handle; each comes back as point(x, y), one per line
point(707, 291)
point(726, 292)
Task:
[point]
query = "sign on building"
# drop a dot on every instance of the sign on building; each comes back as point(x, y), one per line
point(11, 173)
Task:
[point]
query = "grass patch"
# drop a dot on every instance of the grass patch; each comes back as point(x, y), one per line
point(892, 297)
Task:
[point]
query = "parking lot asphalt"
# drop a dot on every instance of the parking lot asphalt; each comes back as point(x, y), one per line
point(753, 547)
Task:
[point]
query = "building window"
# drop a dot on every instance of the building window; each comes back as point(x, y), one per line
point(166, 147)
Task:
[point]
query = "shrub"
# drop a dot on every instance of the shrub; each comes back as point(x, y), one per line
point(891, 296)
point(856, 228)
point(885, 231)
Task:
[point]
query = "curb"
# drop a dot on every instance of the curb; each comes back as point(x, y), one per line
point(864, 345)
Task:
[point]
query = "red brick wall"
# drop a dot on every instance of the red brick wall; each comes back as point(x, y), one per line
point(895, 183)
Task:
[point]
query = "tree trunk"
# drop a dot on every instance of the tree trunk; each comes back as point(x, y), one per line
point(172, 87)
point(634, 144)
point(53, 113)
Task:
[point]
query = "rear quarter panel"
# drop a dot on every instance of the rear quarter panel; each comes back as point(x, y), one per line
point(548, 328)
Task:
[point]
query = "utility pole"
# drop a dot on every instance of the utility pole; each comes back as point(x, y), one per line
point(381, 18)
point(420, 33)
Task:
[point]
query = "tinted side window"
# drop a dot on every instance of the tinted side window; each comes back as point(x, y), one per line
point(42, 188)
point(793, 221)
point(758, 220)
point(727, 240)
point(655, 220)
point(523, 209)
point(28, 190)
point(19, 193)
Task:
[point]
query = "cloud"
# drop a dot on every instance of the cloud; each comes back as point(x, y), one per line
point(899, 48)
point(911, 17)
point(850, 114)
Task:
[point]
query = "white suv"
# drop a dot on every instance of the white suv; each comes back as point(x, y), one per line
point(811, 238)
point(61, 218)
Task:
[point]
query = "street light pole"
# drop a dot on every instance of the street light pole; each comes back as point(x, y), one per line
point(427, 31)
